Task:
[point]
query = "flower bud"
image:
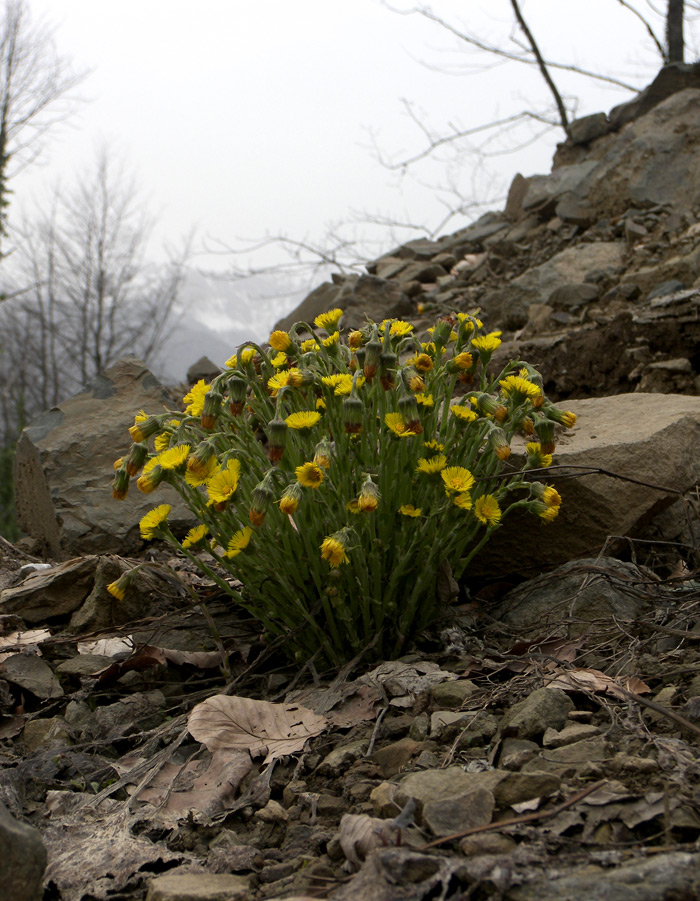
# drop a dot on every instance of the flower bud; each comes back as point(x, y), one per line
point(277, 433)
point(261, 498)
point(544, 429)
point(120, 485)
point(563, 417)
point(322, 453)
point(289, 502)
point(499, 443)
point(136, 458)
point(443, 330)
point(237, 391)
point(352, 414)
point(368, 499)
point(197, 462)
point(387, 369)
point(141, 431)
point(213, 401)
point(408, 408)
point(373, 351)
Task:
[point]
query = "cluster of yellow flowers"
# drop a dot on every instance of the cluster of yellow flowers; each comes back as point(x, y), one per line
point(334, 475)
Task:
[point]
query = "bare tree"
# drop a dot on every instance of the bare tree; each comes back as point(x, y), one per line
point(94, 296)
point(674, 31)
point(36, 93)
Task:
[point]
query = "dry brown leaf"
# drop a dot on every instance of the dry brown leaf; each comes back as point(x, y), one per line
point(22, 639)
point(260, 727)
point(361, 834)
point(595, 680)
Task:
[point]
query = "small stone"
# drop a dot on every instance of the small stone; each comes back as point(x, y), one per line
point(487, 843)
point(452, 815)
point(272, 812)
point(446, 724)
point(545, 708)
point(382, 798)
point(175, 886)
point(515, 788)
point(630, 764)
point(83, 665)
point(394, 757)
point(452, 694)
point(43, 733)
point(342, 757)
point(292, 790)
point(571, 733)
point(515, 752)
point(420, 727)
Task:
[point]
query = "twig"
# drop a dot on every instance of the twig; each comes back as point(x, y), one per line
point(516, 821)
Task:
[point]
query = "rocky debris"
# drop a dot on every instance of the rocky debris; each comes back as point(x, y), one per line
point(64, 466)
point(22, 859)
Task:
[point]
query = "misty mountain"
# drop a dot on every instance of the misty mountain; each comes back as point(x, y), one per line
point(215, 315)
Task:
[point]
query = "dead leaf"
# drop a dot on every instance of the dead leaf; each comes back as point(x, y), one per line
point(199, 788)
point(360, 834)
point(596, 681)
point(107, 647)
point(144, 658)
point(22, 639)
point(260, 727)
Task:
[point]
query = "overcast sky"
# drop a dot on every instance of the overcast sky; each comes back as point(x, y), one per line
point(243, 118)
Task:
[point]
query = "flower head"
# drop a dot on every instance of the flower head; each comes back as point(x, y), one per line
point(305, 419)
point(194, 399)
point(410, 511)
point(457, 478)
point(239, 542)
point(398, 425)
point(464, 414)
point(334, 549)
point(289, 502)
point(399, 328)
point(154, 522)
point(223, 484)
point(519, 389)
point(280, 340)
point(536, 457)
point(329, 320)
point(431, 465)
point(174, 457)
point(486, 344)
point(195, 536)
point(310, 475)
point(486, 510)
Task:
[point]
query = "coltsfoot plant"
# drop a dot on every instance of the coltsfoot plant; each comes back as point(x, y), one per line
point(333, 476)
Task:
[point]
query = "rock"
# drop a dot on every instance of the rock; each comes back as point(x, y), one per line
point(176, 886)
point(671, 79)
point(572, 732)
point(516, 195)
point(202, 369)
point(648, 438)
point(340, 758)
point(22, 859)
point(588, 128)
point(452, 694)
point(392, 758)
point(545, 708)
point(487, 843)
point(439, 785)
point(568, 599)
point(451, 815)
point(514, 788)
point(64, 467)
point(44, 733)
point(33, 674)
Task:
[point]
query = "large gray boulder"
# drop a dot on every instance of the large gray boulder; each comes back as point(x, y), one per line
point(64, 466)
point(628, 458)
point(22, 859)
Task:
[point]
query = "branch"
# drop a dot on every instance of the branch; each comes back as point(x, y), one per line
point(650, 30)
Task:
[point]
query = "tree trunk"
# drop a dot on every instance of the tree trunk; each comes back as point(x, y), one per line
point(674, 31)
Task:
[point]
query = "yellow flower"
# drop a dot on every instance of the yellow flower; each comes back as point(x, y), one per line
point(202, 473)
point(174, 457)
point(551, 496)
point(341, 382)
point(355, 339)
point(434, 446)
point(368, 499)
point(463, 500)
point(289, 502)
point(486, 510)
point(329, 320)
point(280, 340)
point(305, 419)
point(118, 588)
point(426, 400)
point(279, 360)
point(399, 328)
point(309, 475)
point(232, 362)
point(223, 484)
point(432, 464)
point(195, 535)
point(331, 340)
point(463, 413)
point(239, 542)
point(162, 442)
point(195, 398)
point(536, 458)
point(416, 384)
point(320, 403)
point(486, 344)
point(353, 507)
point(457, 478)
point(151, 524)
point(463, 360)
point(334, 551)
point(247, 355)
point(277, 381)
point(410, 510)
point(519, 389)
point(398, 425)
point(309, 345)
point(423, 363)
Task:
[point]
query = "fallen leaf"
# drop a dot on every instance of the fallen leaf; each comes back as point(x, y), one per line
point(595, 680)
point(22, 639)
point(360, 834)
point(107, 647)
point(259, 727)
